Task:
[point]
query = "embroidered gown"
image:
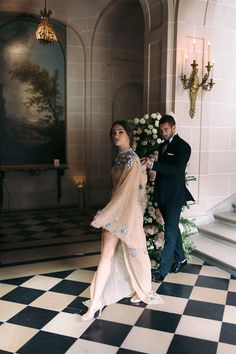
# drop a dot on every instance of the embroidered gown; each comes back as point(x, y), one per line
point(123, 217)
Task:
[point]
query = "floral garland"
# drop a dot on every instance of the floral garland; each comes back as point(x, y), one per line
point(145, 143)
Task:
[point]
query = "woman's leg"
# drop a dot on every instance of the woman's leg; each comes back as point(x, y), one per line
point(108, 246)
point(109, 243)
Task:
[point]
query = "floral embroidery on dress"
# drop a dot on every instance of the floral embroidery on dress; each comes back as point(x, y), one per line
point(123, 230)
point(153, 298)
point(133, 252)
point(124, 157)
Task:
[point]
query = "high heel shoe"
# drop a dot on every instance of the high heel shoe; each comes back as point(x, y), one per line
point(93, 309)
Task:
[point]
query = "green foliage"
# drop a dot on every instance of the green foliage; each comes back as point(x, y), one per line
point(146, 141)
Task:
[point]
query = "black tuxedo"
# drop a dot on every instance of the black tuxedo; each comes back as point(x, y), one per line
point(170, 187)
point(171, 194)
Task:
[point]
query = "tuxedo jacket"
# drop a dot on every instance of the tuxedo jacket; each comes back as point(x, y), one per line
point(170, 185)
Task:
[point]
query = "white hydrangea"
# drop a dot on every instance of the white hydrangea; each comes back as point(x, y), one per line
point(142, 121)
point(154, 131)
point(136, 120)
point(146, 116)
point(153, 115)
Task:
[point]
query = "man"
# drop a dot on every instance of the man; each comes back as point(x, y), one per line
point(170, 193)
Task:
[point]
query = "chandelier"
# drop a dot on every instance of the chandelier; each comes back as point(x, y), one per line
point(45, 32)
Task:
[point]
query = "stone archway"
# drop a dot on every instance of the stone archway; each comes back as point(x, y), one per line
point(117, 65)
point(127, 102)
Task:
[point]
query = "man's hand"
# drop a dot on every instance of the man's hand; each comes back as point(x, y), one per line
point(147, 161)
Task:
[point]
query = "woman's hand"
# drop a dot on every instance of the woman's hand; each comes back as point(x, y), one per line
point(95, 223)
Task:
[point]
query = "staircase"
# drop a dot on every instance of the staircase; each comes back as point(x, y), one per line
point(216, 242)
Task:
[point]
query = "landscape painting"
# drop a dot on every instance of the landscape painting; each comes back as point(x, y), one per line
point(32, 96)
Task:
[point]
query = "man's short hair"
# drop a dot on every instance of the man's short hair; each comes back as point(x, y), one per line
point(167, 119)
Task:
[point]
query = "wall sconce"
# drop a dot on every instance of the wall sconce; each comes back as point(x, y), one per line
point(193, 84)
point(45, 32)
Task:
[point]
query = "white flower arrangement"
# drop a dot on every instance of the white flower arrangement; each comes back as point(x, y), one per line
point(145, 143)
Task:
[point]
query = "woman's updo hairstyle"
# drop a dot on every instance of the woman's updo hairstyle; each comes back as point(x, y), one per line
point(126, 126)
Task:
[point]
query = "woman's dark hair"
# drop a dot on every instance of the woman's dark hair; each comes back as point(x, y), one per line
point(126, 126)
point(167, 119)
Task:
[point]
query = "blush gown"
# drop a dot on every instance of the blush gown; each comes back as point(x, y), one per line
point(123, 217)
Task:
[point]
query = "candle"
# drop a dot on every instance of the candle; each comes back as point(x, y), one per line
point(185, 64)
point(194, 49)
point(209, 51)
point(213, 63)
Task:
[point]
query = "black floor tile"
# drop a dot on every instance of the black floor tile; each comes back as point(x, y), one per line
point(44, 342)
point(228, 333)
point(33, 317)
point(47, 223)
point(158, 320)
point(107, 332)
point(212, 282)
point(91, 268)
point(126, 301)
point(127, 351)
point(207, 264)
point(204, 310)
point(176, 290)
point(190, 345)
point(61, 275)
point(25, 233)
point(191, 268)
point(70, 287)
point(231, 298)
point(23, 295)
point(77, 306)
point(16, 281)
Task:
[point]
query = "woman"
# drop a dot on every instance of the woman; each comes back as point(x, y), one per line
point(124, 269)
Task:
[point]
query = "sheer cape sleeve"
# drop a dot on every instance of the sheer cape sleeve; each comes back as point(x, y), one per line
point(124, 212)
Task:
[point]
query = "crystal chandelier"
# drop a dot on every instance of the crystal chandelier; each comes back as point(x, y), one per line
point(45, 32)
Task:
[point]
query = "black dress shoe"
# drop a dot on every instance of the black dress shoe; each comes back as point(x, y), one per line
point(157, 277)
point(178, 266)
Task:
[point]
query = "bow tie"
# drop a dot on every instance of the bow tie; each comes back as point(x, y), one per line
point(164, 147)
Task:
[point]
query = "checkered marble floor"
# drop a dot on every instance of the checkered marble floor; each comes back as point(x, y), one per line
point(41, 297)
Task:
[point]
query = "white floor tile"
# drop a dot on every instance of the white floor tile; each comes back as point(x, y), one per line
point(230, 315)
point(208, 295)
point(67, 324)
point(224, 348)
point(41, 282)
point(82, 275)
point(122, 313)
point(9, 309)
point(199, 328)
point(13, 337)
point(53, 301)
point(172, 304)
point(147, 341)
point(211, 271)
point(82, 346)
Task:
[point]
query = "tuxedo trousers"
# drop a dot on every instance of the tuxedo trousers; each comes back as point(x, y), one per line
point(173, 247)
